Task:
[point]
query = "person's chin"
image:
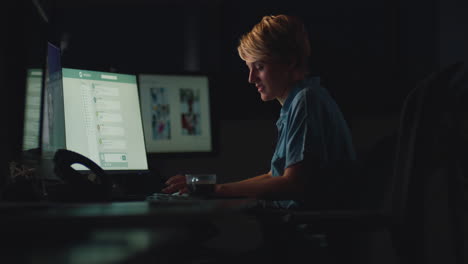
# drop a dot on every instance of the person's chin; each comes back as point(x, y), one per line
point(265, 98)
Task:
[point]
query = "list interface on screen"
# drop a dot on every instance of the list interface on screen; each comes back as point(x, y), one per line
point(32, 111)
point(103, 119)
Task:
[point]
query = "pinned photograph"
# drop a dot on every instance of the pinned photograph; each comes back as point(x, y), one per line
point(160, 114)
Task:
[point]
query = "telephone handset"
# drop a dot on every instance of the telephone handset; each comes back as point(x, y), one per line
point(78, 186)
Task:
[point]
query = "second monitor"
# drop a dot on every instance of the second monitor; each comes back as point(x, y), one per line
point(176, 113)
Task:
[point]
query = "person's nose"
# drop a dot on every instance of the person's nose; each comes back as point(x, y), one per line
point(252, 76)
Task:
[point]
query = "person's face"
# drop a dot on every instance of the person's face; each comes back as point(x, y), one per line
point(272, 80)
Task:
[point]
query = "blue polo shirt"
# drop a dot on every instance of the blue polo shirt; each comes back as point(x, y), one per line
point(310, 122)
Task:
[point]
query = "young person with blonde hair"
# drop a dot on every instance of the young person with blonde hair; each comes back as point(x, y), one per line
point(312, 132)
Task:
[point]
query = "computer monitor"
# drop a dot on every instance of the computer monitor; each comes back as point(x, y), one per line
point(32, 110)
point(53, 122)
point(103, 119)
point(52, 132)
point(176, 113)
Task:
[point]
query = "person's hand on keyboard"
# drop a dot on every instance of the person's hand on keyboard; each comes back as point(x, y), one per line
point(176, 183)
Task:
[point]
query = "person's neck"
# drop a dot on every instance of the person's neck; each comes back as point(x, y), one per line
point(297, 78)
point(283, 98)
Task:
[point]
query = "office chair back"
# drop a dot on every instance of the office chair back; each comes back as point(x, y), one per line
point(423, 142)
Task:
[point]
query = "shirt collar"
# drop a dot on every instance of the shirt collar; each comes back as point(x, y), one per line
point(298, 86)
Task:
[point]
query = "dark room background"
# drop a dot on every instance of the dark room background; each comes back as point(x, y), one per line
point(369, 54)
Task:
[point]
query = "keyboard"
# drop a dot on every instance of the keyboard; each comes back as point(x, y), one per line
point(169, 197)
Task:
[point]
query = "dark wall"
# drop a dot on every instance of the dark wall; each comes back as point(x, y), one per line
point(353, 46)
point(453, 36)
point(368, 53)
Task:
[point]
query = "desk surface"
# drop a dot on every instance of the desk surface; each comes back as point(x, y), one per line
point(118, 214)
point(115, 232)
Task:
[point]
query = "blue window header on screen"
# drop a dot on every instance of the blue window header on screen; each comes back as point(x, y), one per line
point(98, 76)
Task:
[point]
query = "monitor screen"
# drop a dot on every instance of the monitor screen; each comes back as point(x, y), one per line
point(176, 113)
point(32, 110)
point(103, 119)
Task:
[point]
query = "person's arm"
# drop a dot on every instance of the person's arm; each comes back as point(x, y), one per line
point(288, 186)
point(258, 177)
point(177, 183)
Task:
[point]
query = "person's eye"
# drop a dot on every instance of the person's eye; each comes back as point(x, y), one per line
point(259, 67)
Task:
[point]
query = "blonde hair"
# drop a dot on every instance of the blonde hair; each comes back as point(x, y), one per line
point(279, 38)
